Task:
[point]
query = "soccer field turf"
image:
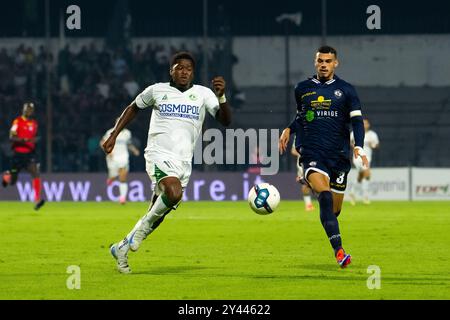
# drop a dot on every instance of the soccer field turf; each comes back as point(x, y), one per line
point(207, 250)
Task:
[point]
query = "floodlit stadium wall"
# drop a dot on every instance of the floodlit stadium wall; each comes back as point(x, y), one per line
point(381, 60)
point(386, 184)
point(387, 61)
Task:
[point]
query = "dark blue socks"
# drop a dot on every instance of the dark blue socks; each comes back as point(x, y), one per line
point(329, 220)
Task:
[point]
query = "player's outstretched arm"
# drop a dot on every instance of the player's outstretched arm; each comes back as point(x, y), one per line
point(127, 115)
point(13, 134)
point(14, 138)
point(294, 127)
point(223, 115)
point(284, 140)
point(134, 150)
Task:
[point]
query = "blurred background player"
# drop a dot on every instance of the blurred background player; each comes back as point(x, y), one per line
point(371, 142)
point(179, 110)
point(118, 160)
point(306, 190)
point(255, 163)
point(23, 135)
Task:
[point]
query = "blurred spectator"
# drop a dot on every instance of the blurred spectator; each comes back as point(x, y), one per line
point(119, 65)
point(131, 86)
point(95, 154)
point(103, 87)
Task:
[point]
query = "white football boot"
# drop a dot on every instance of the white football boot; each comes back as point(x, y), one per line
point(120, 252)
point(137, 237)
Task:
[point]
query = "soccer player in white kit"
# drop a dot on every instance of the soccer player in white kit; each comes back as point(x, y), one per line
point(371, 142)
point(178, 111)
point(118, 162)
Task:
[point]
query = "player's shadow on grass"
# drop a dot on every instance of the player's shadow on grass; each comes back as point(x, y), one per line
point(296, 277)
point(170, 270)
point(318, 267)
point(327, 271)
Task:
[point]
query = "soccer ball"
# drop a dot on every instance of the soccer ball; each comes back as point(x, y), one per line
point(263, 198)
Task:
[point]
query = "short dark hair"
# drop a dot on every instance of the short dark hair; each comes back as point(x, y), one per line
point(327, 49)
point(182, 55)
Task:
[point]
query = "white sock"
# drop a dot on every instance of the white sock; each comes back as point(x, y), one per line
point(123, 188)
point(307, 200)
point(365, 188)
point(156, 212)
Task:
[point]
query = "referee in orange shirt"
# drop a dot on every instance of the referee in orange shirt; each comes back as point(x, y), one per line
point(23, 135)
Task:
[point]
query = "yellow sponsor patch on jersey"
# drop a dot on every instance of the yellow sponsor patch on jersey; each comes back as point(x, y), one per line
point(321, 103)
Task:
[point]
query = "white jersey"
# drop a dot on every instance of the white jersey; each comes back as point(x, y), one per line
point(177, 118)
point(370, 141)
point(120, 151)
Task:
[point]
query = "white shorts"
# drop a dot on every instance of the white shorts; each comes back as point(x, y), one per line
point(359, 164)
point(159, 168)
point(114, 164)
point(299, 169)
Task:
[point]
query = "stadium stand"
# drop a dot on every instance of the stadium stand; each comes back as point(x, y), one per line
point(412, 122)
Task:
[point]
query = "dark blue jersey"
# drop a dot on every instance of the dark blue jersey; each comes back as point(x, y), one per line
point(324, 114)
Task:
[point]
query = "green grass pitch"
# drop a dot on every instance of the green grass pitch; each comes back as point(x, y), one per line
point(207, 250)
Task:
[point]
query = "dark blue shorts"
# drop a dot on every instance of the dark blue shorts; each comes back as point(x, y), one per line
point(335, 168)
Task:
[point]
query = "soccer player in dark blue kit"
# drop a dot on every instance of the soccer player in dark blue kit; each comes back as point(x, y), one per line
point(326, 107)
